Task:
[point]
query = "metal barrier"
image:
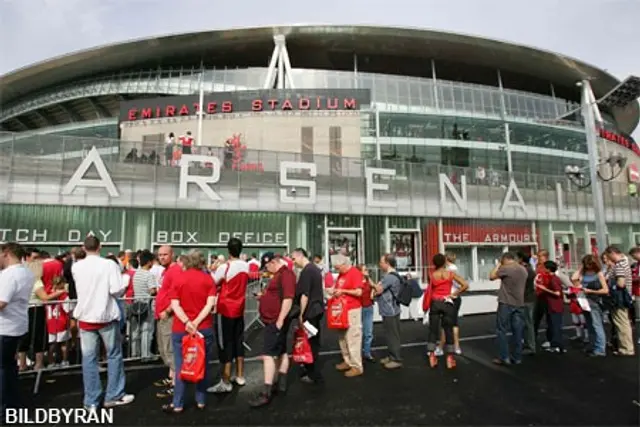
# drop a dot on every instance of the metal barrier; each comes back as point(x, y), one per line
point(52, 343)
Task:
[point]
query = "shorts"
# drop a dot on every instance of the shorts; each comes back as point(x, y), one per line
point(60, 337)
point(186, 149)
point(275, 341)
point(456, 304)
point(230, 338)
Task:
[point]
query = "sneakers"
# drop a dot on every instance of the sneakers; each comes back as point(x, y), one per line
point(344, 366)
point(556, 350)
point(353, 372)
point(260, 400)
point(165, 393)
point(64, 364)
point(239, 381)
point(165, 382)
point(392, 365)
point(545, 344)
point(458, 351)
point(124, 400)
point(439, 352)
point(385, 360)
point(221, 387)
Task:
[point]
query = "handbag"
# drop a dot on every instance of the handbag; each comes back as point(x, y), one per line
point(337, 313)
point(426, 299)
point(302, 348)
point(193, 358)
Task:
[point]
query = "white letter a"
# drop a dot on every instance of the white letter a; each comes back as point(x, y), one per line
point(78, 179)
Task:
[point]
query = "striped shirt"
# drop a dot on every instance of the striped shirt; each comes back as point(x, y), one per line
point(622, 269)
point(143, 280)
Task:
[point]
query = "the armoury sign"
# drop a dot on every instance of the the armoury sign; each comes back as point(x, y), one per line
point(373, 186)
point(245, 101)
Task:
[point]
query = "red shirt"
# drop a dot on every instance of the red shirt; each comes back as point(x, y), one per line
point(57, 316)
point(554, 302)
point(232, 279)
point(281, 286)
point(186, 141)
point(352, 279)
point(163, 300)
point(51, 268)
point(192, 288)
point(366, 293)
point(635, 281)
point(128, 294)
point(441, 288)
point(542, 278)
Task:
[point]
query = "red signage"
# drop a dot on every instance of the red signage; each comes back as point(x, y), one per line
point(488, 235)
point(634, 174)
point(620, 140)
point(239, 150)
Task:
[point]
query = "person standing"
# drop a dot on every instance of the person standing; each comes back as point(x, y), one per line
point(310, 300)
point(98, 284)
point(509, 317)
point(529, 304)
point(16, 284)
point(144, 287)
point(555, 304)
point(620, 291)
point(192, 297)
point(368, 294)
point(349, 285)
point(164, 316)
point(635, 286)
point(540, 310)
point(231, 278)
point(387, 291)
point(186, 142)
point(275, 304)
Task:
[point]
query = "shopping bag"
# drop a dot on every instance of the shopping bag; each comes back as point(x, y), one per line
point(193, 358)
point(426, 299)
point(302, 348)
point(337, 314)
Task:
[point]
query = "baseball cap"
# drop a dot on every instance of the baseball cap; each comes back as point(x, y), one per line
point(266, 258)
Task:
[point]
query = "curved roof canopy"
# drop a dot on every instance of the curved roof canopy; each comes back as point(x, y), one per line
point(322, 40)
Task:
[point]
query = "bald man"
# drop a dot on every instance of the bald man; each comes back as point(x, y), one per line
point(164, 316)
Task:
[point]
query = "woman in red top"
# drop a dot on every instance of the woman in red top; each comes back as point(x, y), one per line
point(367, 313)
point(192, 298)
point(442, 310)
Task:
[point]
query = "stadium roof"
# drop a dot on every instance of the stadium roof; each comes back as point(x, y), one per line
point(319, 45)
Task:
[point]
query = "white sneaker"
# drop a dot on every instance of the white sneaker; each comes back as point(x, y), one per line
point(439, 352)
point(546, 344)
point(52, 366)
point(458, 351)
point(124, 400)
point(240, 381)
point(221, 387)
point(64, 364)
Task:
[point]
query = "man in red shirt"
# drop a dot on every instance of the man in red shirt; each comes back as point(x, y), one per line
point(186, 141)
point(551, 288)
point(164, 316)
point(349, 286)
point(52, 268)
point(275, 312)
point(232, 278)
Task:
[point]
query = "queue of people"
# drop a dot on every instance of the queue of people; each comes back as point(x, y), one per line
point(190, 298)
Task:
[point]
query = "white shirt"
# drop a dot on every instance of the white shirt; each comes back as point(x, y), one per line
point(157, 270)
point(98, 284)
point(16, 284)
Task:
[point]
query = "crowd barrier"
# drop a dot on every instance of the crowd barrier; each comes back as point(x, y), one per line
point(52, 343)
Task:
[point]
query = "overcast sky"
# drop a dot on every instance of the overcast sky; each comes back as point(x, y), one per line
point(601, 32)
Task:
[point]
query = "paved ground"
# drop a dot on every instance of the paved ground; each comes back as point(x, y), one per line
point(548, 389)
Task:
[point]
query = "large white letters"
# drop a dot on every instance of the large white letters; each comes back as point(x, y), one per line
point(376, 186)
point(104, 180)
point(287, 182)
point(512, 191)
point(459, 198)
point(201, 181)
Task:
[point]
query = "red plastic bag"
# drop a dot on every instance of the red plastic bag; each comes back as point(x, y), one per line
point(302, 348)
point(426, 299)
point(337, 314)
point(193, 358)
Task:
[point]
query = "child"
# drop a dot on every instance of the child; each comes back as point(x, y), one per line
point(576, 315)
point(551, 287)
point(58, 323)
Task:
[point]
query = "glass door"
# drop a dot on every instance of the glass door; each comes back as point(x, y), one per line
point(404, 245)
point(344, 242)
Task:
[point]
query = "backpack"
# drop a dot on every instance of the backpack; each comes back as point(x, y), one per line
point(404, 296)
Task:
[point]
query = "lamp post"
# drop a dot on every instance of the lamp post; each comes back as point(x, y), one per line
point(622, 95)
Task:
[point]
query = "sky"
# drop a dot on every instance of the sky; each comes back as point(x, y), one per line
point(600, 32)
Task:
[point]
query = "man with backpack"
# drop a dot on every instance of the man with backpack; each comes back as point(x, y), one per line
point(392, 291)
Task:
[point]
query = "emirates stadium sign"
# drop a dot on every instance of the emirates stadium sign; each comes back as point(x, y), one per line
point(245, 101)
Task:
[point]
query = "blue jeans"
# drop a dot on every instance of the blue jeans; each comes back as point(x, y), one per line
point(597, 336)
point(510, 319)
point(90, 345)
point(201, 387)
point(367, 330)
point(142, 329)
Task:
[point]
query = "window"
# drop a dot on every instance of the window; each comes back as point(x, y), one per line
point(306, 141)
point(335, 150)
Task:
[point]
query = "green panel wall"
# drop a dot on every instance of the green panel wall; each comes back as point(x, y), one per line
point(374, 239)
point(59, 225)
point(402, 222)
point(307, 231)
point(210, 229)
point(138, 229)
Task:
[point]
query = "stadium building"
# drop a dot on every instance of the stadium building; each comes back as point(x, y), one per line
point(334, 138)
